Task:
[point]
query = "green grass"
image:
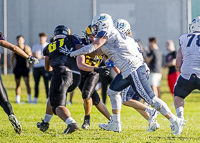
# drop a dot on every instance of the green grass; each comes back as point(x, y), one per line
point(134, 126)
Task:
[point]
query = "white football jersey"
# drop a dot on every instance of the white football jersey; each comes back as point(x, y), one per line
point(190, 48)
point(122, 50)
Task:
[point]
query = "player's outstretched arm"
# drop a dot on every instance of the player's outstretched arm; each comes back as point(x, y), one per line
point(16, 49)
point(90, 48)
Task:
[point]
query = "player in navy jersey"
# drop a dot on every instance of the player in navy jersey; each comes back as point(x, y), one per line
point(90, 69)
point(65, 78)
point(4, 102)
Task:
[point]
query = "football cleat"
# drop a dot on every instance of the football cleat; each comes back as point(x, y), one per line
point(71, 128)
point(153, 116)
point(111, 126)
point(153, 127)
point(86, 123)
point(15, 123)
point(43, 126)
point(177, 126)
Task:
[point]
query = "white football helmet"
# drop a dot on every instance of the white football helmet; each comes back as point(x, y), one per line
point(101, 22)
point(195, 25)
point(122, 25)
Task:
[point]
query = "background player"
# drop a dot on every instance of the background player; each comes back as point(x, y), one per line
point(21, 68)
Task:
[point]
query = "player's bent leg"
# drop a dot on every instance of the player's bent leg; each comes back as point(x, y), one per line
point(103, 109)
point(65, 115)
point(147, 112)
point(114, 123)
point(44, 125)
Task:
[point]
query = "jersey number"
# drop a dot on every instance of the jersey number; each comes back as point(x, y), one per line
point(52, 46)
point(191, 38)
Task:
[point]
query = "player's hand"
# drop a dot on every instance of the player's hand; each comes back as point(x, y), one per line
point(102, 70)
point(2, 36)
point(33, 60)
point(109, 64)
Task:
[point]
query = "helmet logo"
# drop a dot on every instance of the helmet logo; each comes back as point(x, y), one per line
point(122, 25)
point(102, 18)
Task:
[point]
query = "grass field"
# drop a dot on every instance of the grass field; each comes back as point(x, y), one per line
point(134, 126)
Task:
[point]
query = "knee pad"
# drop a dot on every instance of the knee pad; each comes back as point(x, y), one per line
point(160, 106)
point(115, 99)
point(86, 95)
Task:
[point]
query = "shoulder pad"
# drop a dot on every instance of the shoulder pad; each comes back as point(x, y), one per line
point(102, 34)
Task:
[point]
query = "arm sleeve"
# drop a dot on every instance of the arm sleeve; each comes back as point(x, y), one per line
point(84, 50)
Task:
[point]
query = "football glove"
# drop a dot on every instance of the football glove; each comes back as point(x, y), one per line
point(109, 64)
point(33, 60)
point(2, 36)
point(102, 70)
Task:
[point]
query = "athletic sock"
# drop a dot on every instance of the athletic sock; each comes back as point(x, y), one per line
point(116, 117)
point(35, 100)
point(17, 98)
point(87, 117)
point(179, 112)
point(173, 118)
point(148, 109)
point(47, 118)
point(29, 98)
point(70, 120)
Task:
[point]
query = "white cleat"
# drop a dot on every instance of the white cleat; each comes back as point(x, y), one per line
point(111, 126)
point(177, 126)
point(153, 127)
point(153, 116)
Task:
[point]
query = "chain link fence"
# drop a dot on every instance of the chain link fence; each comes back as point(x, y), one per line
point(163, 19)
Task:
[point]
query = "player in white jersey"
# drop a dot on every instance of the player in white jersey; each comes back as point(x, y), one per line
point(126, 55)
point(129, 96)
point(187, 63)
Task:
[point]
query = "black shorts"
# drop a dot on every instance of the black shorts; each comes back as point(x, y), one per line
point(87, 87)
point(60, 85)
point(184, 87)
point(18, 72)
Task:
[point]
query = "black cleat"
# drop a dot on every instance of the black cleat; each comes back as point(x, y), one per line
point(15, 123)
point(43, 126)
point(86, 123)
point(71, 128)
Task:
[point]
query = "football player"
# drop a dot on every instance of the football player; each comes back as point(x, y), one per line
point(187, 63)
point(129, 96)
point(90, 70)
point(65, 78)
point(126, 55)
point(5, 104)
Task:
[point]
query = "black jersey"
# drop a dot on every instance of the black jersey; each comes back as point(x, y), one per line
point(58, 53)
point(20, 61)
point(88, 60)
